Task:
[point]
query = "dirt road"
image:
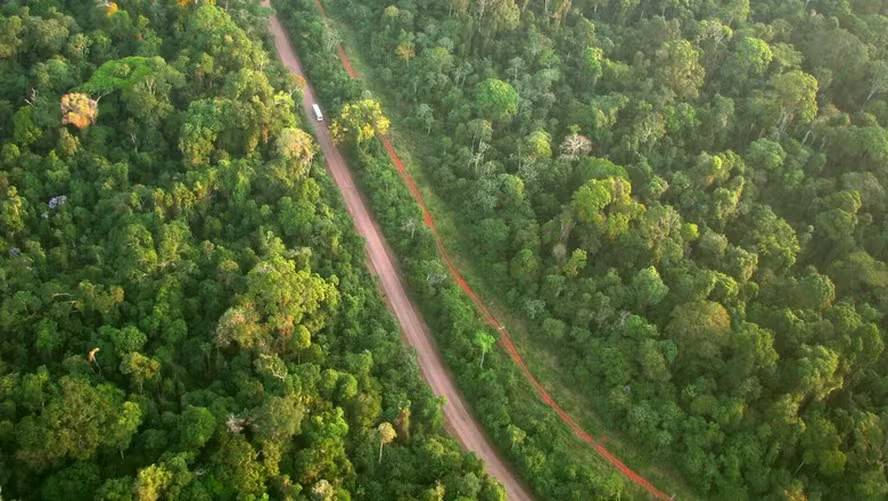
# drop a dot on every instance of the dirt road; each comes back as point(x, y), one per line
point(459, 422)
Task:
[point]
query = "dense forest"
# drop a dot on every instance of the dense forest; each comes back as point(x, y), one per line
point(184, 308)
point(542, 450)
point(682, 200)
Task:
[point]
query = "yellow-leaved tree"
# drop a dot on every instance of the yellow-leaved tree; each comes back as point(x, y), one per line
point(359, 122)
point(79, 109)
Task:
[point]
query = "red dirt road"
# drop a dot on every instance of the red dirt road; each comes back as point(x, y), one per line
point(504, 339)
point(459, 421)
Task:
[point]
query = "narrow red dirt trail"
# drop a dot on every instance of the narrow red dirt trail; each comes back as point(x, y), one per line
point(345, 62)
point(504, 340)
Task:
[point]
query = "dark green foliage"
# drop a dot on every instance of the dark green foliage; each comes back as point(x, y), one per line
point(703, 246)
point(184, 309)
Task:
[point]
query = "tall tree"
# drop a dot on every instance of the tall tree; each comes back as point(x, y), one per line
point(484, 341)
point(386, 434)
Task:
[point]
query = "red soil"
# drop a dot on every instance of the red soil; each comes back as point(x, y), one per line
point(504, 339)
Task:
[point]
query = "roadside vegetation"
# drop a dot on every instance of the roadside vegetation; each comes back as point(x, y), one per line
point(546, 453)
point(680, 203)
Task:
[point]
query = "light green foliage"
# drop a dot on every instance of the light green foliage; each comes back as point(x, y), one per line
point(795, 95)
point(211, 30)
point(648, 287)
point(495, 16)
point(766, 154)
point(591, 199)
point(606, 206)
point(496, 100)
point(484, 341)
point(576, 262)
point(287, 298)
point(122, 74)
point(814, 292)
point(592, 62)
point(140, 368)
point(818, 371)
point(538, 145)
point(10, 36)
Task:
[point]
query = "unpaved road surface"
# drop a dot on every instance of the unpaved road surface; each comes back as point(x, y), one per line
point(459, 422)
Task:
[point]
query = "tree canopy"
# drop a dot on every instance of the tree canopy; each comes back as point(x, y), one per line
point(679, 204)
point(185, 311)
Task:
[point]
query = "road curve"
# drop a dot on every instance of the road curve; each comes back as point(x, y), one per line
point(459, 422)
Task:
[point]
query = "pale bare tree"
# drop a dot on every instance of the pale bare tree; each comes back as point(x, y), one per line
point(574, 146)
point(235, 424)
point(92, 358)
